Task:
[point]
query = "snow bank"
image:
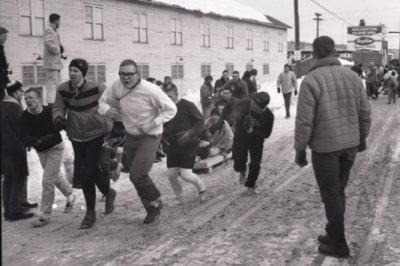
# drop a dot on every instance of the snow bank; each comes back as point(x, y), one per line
point(220, 7)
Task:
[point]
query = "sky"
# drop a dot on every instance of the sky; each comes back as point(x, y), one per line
point(351, 11)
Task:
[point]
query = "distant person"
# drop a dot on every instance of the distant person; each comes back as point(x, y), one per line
point(253, 79)
point(220, 82)
point(250, 84)
point(206, 96)
point(238, 86)
point(52, 51)
point(392, 77)
point(181, 133)
point(14, 162)
point(39, 132)
point(3, 63)
point(357, 68)
point(144, 108)
point(253, 122)
point(287, 83)
point(167, 80)
point(75, 110)
point(372, 81)
point(332, 97)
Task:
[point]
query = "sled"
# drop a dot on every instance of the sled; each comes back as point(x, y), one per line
point(209, 164)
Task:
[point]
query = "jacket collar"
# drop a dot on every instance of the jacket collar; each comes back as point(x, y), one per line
point(10, 99)
point(327, 61)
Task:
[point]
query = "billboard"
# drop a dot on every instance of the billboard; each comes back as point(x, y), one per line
point(365, 38)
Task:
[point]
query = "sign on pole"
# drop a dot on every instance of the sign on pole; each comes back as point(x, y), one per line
point(365, 38)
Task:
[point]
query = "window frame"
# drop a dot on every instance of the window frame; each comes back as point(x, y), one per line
point(249, 39)
point(141, 71)
point(37, 79)
point(205, 70)
point(140, 28)
point(93, 22)
point(180, 71)
point(33, 32)
point(230, 67)
point(205, 33)
point(175, 33)
point(266, 69)
point(266, 41)
point(96, 73)
point(229, 37)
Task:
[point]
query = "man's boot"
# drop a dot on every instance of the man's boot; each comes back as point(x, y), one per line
point(153, 209)
point(89, 220)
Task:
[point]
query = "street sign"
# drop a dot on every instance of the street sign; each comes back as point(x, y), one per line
point(297, 55)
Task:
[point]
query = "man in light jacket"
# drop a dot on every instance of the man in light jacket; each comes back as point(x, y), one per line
point(52, 50)
point(287, 82)
point(333, 119)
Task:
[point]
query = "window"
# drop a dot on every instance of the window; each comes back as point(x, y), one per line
point(266, 69)
point(280, 43)
point(144, 70)
point(230, 68)
point(205, 35)
point(176, 31)
point(266, 41)
point(229, 37)
point(94, 23)
point(33, 75)
point(177, 71)
point(31, 21)
point(97, 73)
point(140, 29)
point(205, 70)
point(249, 38)
point(249, 66)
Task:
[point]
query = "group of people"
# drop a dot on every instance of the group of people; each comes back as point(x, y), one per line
point(333, 120)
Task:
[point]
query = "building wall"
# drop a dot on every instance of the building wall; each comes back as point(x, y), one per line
point(158, 52)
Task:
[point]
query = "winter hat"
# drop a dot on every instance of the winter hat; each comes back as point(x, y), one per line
point(215, 111)
point(80, 64)
point(261, 99)
point(13, 87)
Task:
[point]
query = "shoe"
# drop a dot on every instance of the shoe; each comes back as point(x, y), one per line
point(42, 221)
point(341, 251)
point(19, 216)
point(153, 212)
point(202, 196)
point(69, 205)
point(30, 205)
point(242, 178)
point(253, 190)
point(89, 220)
point(324, 239)
point(109, 203)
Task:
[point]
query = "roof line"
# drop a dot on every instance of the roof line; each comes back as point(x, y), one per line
point(279, 25)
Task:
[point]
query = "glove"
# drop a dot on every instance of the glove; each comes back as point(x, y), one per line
point(118, 130)
point(60, 123)
point(61, 49)
point(295, 92)
point(362, 146)
point(301, 158)
point(279, 90)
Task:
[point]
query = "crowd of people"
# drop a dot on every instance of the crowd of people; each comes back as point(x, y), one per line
point(148, 118)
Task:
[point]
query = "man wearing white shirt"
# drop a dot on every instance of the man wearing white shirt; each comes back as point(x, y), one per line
point(287, 82)
point(144, 108)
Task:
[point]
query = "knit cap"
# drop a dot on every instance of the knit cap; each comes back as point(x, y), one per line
point(80, 64)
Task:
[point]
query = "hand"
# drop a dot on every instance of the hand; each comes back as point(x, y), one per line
point(279, 90)
point(362, 146)
point(61, 49)
point(145, 129)
point(118, 130)
point(301, 158)
point(60, 123)
point(295, 92)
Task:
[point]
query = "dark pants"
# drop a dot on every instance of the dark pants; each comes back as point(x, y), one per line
point(332, 172)
point(140, 154)
point(287, 97)
point(13, 190)
point(243, 144)
point(87, 171)
point(372, 89)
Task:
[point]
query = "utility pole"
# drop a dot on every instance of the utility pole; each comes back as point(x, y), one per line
point(398, 32)
point(296, 26)
point(318, 20)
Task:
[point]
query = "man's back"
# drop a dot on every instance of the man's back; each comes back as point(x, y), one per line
point(332, 111)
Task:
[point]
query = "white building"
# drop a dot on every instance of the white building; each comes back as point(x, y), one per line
point(185, 39)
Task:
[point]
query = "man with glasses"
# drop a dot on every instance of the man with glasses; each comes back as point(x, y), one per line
point(238, 86)
point(253, 122)
point(144, 108)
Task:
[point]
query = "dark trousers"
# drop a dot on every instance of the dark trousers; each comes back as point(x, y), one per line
point(372, 89)
point(287, 97)
point(332, 172)
point(242, 145)
point(140, 154)
point(13, 190)
point(87, 171)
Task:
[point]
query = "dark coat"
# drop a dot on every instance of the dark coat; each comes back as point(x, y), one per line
point(13, 153)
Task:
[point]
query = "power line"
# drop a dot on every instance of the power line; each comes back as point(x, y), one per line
point(330, 12)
